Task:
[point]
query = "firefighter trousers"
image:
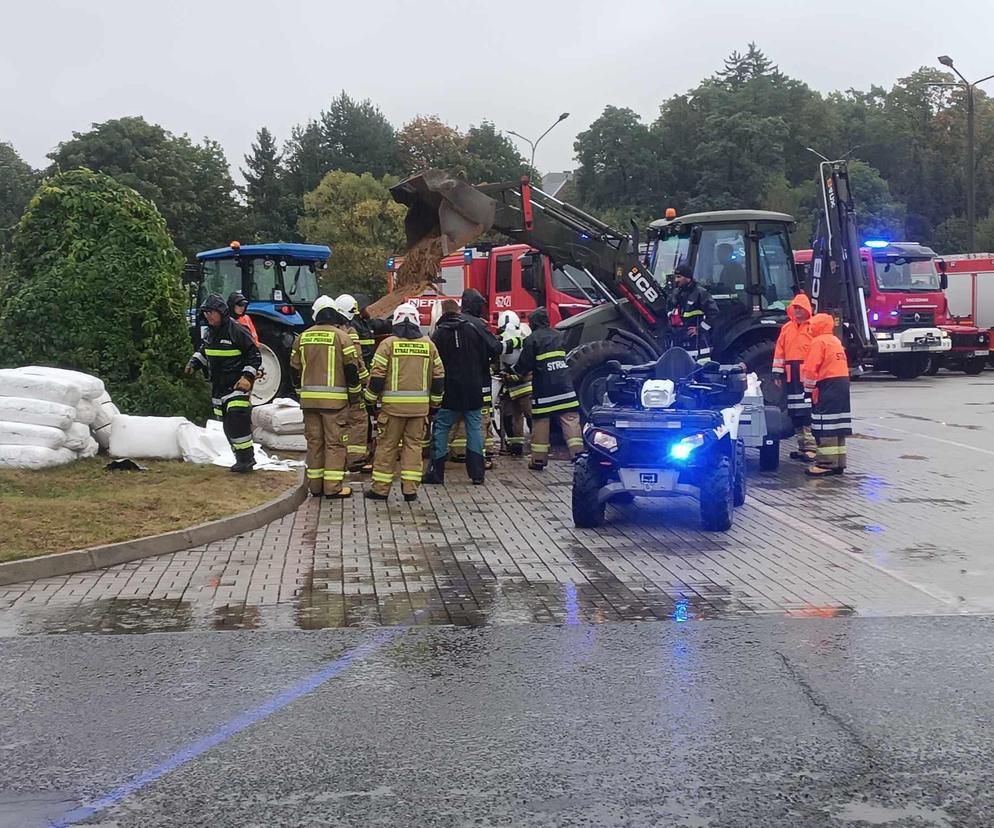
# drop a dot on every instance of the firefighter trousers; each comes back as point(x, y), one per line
point(514, 414)
point(327, 434)
point(805, 439)
point(398, 438)
point(357, 446)
point(831, 453)
point(235, 412)
point(569, 422)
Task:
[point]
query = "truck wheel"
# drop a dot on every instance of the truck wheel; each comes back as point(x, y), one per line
point(588, 370)
point(769, 456)
point(974, 366)
point(934, 364)
point(758, 358)
point(739, 479)
point(588, 511)
point(909, 367)
point(275, 379)
point(716, 498)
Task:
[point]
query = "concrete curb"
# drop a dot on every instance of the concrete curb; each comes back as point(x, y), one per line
point(98, 557)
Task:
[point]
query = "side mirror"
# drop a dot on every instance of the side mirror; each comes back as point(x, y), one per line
point(943, 275)
point(531, 269)
point(191, 274)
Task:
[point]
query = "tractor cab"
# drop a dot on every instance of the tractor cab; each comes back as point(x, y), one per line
point(280, 282)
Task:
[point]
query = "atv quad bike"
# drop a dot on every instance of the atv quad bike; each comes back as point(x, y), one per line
point(671, 427)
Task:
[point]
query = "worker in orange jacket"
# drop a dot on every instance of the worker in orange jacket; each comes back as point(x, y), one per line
point(825, 372)
point(792, 349)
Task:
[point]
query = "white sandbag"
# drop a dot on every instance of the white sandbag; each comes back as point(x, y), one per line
point(103, 414)
point(33, 457)
point(15, 382)
point(281, 416)
point(102, 422)
point(86, 412)
point(38, 412)
point(29, 434)
point(201, 445)
point(263, 462)
point(102, 436)
point(151, 438)
point(90, 449)
point(76, 438)
point(280, 442)
point(90, 387)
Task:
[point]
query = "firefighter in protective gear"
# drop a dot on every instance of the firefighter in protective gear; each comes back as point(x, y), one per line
point(368, 328)
point(516, 396)
point(357, 446)
point(237, 305)
point(692, 313)
point(791, 350)
point(329, 364)
point(544, 357)
point(406, 381)
point(826, 377)
point(231, 360)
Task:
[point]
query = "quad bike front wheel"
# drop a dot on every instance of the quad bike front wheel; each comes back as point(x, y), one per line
point(717, 498)
point(588, 511)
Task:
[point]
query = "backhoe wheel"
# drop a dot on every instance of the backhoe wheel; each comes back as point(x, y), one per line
point(716, 498)
point(909, 366)
point(758, 358)
point(588, 511)
point(588, 370)
point(769, 456)
point(974, 366)
point(739, 478)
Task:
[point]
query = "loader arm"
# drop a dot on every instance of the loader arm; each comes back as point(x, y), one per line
point(443, 207)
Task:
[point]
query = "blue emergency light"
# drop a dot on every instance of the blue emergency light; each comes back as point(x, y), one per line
point(467, 255)
point(390, 263)
point(876, 244)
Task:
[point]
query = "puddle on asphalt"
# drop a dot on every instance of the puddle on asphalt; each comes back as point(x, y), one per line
point(912, 457)
point(870, 814)
point(937, 422)
point(21, 808)
point(857, 436)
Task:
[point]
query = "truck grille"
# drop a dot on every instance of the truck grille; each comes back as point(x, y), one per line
point(917, 319)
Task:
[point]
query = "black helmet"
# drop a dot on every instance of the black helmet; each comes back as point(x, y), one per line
point(236, 298)
point(473, 302)
point(539, 318)
point(215, 302)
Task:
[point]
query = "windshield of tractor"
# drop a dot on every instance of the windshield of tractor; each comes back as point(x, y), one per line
point(669, 251)
point(902, 274)
point(582, 287)
point(222, 276)
point(300, 284)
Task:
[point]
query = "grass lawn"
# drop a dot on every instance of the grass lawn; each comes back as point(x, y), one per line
point(82, 504)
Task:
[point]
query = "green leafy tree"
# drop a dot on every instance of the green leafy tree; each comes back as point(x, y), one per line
point(270, 204)
point(492, 156)
point(427, 142)
point(363, 225)
point(189, 183)
point(98, 289)
point(17, 183)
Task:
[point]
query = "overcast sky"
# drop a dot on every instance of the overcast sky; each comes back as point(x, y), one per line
point(222, 68)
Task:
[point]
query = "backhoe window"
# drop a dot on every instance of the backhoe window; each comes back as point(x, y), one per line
point(722, 266)
point(906, 274)
point(561, 283)
point(776, 271)
point(668, 253)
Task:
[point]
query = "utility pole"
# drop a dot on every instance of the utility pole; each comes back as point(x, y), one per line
point(534, 144)
point(971, 160)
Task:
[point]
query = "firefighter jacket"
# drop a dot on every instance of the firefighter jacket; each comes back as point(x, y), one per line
point(406, 377)
point(516, 385)
point(826, 376)
point(329, 366)
point(353, 335)
point(466, 356)
point(227, 353)
point(367, 330)
point(794, 341)
point(544, 357)
point(691, 306)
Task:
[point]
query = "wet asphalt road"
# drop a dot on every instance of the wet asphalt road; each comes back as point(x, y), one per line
point(826, 722)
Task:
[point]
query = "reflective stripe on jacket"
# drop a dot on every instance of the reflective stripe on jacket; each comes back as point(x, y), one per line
point(827, 358)
point(228, 353)
point(406, 376)
point(544, 357)
point(329, 365)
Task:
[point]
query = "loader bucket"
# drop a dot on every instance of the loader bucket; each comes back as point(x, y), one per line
point(441, 206)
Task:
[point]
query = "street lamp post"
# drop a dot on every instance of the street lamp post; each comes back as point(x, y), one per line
point(534, 144)
point(971, 164)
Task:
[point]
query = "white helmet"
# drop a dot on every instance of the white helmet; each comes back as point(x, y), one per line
point(406, 313)
point(347, 306)
point(323, 302)
point(508, 319)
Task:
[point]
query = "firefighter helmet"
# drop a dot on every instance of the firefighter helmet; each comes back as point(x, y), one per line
point(347, 306)
point(406, 313)
point(323, 302)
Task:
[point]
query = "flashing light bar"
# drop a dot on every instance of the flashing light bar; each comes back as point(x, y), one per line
point(876, 244)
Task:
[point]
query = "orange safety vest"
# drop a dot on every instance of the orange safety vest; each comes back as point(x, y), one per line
point(827, 357)
point(246, 320)
point(795, 338)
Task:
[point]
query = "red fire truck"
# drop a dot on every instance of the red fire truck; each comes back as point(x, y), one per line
point(512, 277)
point(971, 290)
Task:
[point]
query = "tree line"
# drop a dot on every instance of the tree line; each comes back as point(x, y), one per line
point(739, 139)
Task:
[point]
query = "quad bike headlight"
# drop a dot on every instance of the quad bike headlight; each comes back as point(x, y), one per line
point(682, 449)
point(606, 441)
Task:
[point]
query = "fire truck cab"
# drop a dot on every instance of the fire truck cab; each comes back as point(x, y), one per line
point(512, 277)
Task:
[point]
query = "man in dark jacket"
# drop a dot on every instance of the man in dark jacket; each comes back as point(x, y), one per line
point(692, 313)
point(230, 358)
point(544, 357)
point(474, 307)
point(465, 357)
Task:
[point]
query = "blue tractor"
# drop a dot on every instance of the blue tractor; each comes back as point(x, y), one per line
point(281, 283)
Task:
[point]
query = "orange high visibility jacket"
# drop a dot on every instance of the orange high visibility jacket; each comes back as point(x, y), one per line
point(246, 320)
point(795, 338)
point(827, 357)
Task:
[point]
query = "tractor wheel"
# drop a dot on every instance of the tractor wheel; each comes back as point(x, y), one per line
point(974, 366)
point(588, 511)
point(274, 380)
point(588, 370)
point(717, 498)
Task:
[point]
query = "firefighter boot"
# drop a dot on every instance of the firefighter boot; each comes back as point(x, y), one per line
point(436, 470)
point(476, 465)
point(244, 460)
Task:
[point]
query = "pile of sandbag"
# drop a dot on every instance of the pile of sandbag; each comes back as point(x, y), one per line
point(50, 416)
point(279, 425)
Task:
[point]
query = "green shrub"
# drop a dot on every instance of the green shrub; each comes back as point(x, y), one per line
point(96, 287)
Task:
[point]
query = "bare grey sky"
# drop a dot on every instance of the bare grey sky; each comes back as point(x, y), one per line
point(223, 68)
